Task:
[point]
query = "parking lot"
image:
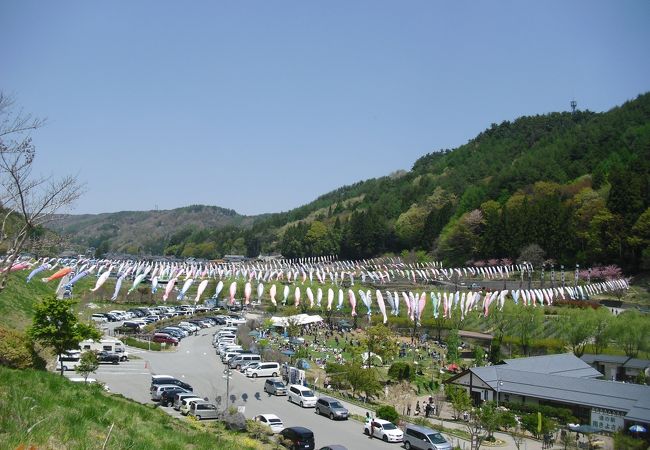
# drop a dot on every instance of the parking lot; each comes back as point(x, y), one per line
point(195, 362)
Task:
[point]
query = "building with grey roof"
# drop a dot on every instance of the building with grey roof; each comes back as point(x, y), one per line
point(618, 367)
point(561, 381)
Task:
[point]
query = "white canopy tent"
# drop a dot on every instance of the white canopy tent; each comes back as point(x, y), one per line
point(365, 357)
point(298, 319)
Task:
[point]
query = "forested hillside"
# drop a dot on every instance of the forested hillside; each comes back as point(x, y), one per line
point(576, 184)
point(142, 232)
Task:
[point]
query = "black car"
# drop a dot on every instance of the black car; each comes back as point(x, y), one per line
point(105, 356)
point(112, 317)
point(175, 381)
point(177, 334)
point(137, 312)
point(344, 325)
point(167, 397)
point(299, 438)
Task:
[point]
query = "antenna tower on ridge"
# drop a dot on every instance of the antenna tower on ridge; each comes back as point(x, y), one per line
point(574, 104)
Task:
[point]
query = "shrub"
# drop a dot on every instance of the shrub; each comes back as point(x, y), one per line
point(422, 422)
point(563, 415)
point(16, 350)
point(387, 412)
point(258, 431)
point(628, 442)
point(401, 370)
point(529, 422)
point(132, 342)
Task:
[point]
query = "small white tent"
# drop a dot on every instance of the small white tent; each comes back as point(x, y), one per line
point(298, 319)
point(364, 356)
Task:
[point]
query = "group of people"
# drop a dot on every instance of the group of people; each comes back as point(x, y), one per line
point(429, 408)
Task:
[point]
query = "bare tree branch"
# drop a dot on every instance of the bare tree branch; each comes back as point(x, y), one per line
point(27, 201)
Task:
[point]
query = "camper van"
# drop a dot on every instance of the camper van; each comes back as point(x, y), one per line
point(106, 344)
point(68, 360)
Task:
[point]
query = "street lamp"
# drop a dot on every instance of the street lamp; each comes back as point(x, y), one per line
point(499, 384)
point(227, 374)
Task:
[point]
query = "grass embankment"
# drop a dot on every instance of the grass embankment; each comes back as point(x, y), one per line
point(17, 300)
point(45, 410)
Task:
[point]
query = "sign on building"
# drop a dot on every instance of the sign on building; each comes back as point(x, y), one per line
point(607, 419)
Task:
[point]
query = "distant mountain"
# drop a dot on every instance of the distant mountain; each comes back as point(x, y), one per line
point(143, 232)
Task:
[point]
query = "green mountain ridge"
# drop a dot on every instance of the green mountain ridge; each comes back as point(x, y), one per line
point(574, 184)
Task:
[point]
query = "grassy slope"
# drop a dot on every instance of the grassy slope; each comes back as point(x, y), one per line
point(18, 299)
point(48, 411)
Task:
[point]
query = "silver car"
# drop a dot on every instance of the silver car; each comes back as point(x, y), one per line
point(332, 408)
point(424, 438)
point(275, 387)
point(203, 410)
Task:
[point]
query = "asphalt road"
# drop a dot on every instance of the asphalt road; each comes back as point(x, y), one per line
point(195, 362)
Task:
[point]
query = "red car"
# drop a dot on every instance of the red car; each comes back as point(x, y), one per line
point(167, 339)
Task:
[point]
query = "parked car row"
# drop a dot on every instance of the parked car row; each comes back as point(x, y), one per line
point(173, 334)
point(170, 391)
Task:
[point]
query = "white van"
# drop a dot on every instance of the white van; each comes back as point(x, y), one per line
point(235, 321)
point(68, 360)
point(230, 354)
point(227, 330)
point(302, 396)
point(229, 348)
point(111, 345)
point(267, 369)
point(242, 359)
point(226, 338)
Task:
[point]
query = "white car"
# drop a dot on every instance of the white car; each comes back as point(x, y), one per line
point(235, 321)
point(249, 365)
point(101, 318)
point(384, 430)
point(302, 396)
point(185, 404)
point(191, 326)
point(272, 421)
point(88, 381)
point(119, 314)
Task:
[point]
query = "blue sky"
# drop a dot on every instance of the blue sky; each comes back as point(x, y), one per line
point(261, 106)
